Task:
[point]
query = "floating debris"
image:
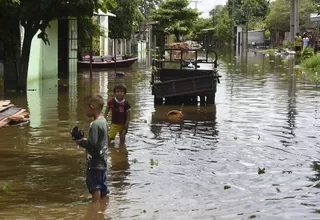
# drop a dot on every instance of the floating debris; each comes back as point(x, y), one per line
point(174, 115)
point(261, 171)
point(154, 162)
point(11, 114)
point(6, 188)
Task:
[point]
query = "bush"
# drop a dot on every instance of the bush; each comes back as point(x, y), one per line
point(307, 52)
point(312, 62)
point(288, 44)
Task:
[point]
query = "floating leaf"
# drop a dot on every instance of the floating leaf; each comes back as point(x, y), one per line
point(153, 162)
point(261, 171)
point(135, 160)
point(6, 188)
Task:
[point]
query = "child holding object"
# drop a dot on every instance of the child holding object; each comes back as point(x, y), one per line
point(96, 146)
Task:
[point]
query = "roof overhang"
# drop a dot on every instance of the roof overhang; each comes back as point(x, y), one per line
point(314, 17)
point(101, 13)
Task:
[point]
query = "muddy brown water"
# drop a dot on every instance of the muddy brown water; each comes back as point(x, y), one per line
point(267, 115)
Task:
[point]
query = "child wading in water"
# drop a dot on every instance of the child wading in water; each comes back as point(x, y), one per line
point(120, 109)
point(96, 146)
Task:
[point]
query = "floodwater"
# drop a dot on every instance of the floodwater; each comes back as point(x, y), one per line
point(267, 115)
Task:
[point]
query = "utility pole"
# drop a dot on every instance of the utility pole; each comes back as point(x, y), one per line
point(196, 3)
point(294, 19)
point(233, 43)
point(247, 28)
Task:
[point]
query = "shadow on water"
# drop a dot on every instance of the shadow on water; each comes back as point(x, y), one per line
point(266, 116)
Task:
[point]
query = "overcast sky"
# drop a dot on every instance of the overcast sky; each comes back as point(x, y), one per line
point(205, 6)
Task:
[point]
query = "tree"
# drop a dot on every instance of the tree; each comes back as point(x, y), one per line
point(241, 10)
point(128, 16)
point(35, 15)
point(202, 23)
point(89, 29)
point(148, 6)
point(175, 17)
point(279, 17)
point(216, 13)
point(222, 24)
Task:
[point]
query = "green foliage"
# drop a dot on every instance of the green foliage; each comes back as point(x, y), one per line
point(312, 62)
point(261, 170)
point(216, 13)
point(9, 2)
point(241, 11)
point(267, 34)
point(35, 15)
point(88, 27)
point(6, 188)
point(153, 162)
point(202, 23)
point(258, 23)
point(288, 44)
point(148, 6)
point(128, 17)
point(175, 17)
point(307, 52)
point(279, 17)
point(222, 24)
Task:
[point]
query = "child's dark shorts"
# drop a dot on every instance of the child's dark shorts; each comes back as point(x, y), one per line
point(97, 180)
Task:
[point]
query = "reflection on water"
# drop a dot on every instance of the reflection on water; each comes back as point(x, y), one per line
point(266, 116)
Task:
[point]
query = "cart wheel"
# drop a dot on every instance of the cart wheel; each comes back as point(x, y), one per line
point(202, 100)
point(158, 100)
point(210, 98)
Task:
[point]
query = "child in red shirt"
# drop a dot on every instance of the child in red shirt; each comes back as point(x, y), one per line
point(120, 109)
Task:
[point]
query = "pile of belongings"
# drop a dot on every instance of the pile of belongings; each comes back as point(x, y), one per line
point(11, 114)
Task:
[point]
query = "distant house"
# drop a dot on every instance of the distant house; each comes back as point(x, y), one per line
point(256, 36)
point(106, 45)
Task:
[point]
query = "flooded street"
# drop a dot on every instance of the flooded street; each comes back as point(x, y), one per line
point(267, 115)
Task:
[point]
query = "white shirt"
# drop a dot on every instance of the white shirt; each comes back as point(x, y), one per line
point(305, 41)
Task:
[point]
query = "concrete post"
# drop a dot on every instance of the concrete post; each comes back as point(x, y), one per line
point(296, 15)
point(292, 21)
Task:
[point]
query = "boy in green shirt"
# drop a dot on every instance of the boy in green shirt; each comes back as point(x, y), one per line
point(96, 146)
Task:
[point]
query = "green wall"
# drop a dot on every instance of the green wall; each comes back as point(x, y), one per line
point(43, 61)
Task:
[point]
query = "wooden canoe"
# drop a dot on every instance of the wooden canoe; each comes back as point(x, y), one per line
point(108, 63)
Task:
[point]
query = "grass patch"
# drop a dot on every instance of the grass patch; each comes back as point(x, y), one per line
point(312, 62)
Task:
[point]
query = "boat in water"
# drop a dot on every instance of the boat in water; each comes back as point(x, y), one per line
point(106, 62)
